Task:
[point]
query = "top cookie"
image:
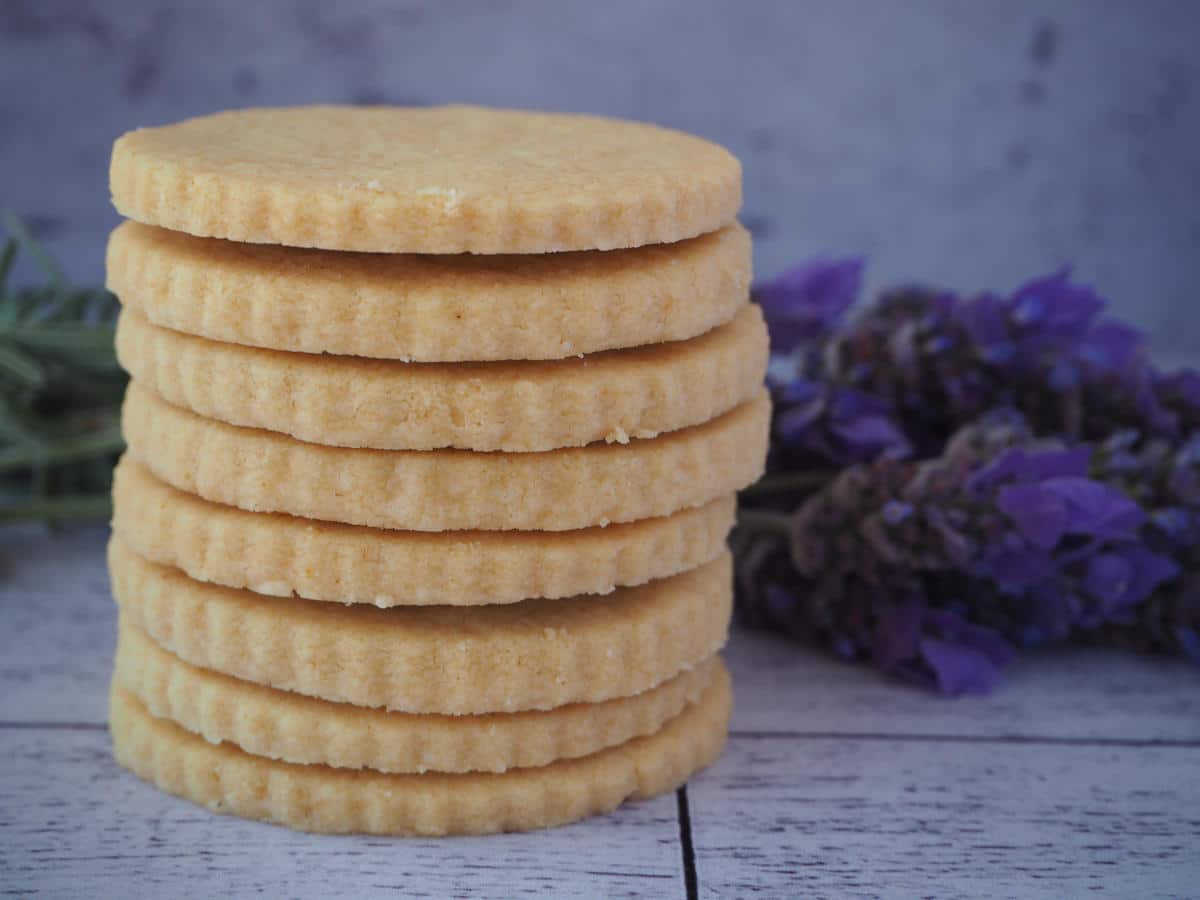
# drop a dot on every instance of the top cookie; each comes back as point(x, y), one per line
point(448, 179)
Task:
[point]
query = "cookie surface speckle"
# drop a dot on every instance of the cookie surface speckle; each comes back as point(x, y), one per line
point(430, 308)
point(281, 555)
point(323, 799)
point(538, 654)
point(448, 179)
point(510, 406)
point(291, 727)
point(442, 490)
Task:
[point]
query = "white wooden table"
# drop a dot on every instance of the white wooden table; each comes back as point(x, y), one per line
point(1081, 775)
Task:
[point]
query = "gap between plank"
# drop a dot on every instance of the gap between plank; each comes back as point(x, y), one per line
point(685, 845)
point(55, 726)
point(1165, 743)
point(1179, 743)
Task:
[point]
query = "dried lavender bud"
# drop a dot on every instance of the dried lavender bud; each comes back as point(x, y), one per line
point(806, 302)
point(818, 424)
point(939, 361)
point(1165, 480)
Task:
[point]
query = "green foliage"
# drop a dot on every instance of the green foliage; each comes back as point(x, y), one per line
point(60, 391)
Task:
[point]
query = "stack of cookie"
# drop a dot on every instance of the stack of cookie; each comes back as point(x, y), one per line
point(435, 425)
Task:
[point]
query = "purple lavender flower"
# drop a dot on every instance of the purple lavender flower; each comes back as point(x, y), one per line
point(938, 649)
point(1180, 392)
point(985, 321)
point(1111, 348)
point(1122, 577)
point(1045, 508)
point(1049, 315)
point(805, 303)
point(834, 425)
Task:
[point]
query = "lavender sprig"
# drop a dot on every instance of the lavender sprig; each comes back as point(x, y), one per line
point(937, 361)
point(1015, 473)
point(937, 570)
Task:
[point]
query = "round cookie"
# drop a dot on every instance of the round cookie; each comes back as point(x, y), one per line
point(509, 406)
point(435, 659)
point(281, 555)
point(291, 727)
point(441, 490)
point(430, 308)
point(323, 799)
point(447, 179)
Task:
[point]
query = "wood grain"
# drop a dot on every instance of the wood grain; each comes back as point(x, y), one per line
point(823, 817)
point(1072, 693)
point(1081, 774)
point(75, 824)
point(57, 625)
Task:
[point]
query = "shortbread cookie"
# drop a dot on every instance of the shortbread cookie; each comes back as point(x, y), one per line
point(430, 308)
point(447, 179)
point(282, 555)
point(533, 655)
point(298, 729)
point(510, 406)
point(324, 799)
point(439, 490)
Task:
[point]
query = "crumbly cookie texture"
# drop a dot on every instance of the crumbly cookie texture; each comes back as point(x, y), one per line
point(448, 179)
point(440, 490)
point(508, 406)
point(324, 799)
point(448, 660)
point(281, 555)
point(294, 728)
point(430, 308)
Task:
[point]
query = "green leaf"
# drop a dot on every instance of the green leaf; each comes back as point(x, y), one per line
point(63, 508)
point(62, 337)
point(17, 365)
point(7, 255)
point(16, 426)
point(105, 442)
point(47, 263)
point(60, 391)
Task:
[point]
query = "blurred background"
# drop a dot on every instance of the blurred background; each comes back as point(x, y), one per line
point(970, 143)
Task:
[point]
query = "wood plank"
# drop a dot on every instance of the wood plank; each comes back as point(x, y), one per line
point(59, 623)
point(1068, 692)
point(864, 812)
point(72, 823)
point(838, 817)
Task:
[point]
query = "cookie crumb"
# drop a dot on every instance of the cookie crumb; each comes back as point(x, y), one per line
point(617, 436)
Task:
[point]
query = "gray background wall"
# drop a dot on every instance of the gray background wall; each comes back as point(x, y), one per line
point(974, 143)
